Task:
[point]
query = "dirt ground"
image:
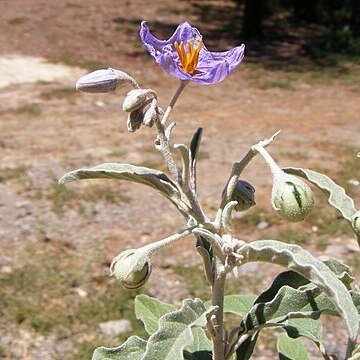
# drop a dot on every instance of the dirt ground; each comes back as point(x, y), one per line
point(48, 129)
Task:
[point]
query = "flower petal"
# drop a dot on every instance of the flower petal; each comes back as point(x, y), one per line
point(212, 67)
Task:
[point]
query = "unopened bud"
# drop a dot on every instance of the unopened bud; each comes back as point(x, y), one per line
point(134, 120)
point(355, 222)
point(151, 115)
point(244, 194)
point(291, 198)
point(102, 81)
point(131, 268)
point(135, 99)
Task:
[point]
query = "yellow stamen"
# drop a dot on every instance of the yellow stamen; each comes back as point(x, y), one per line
point(189, 60)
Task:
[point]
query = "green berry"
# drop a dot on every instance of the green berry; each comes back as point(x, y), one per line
point(291, 198)
point(132, 271)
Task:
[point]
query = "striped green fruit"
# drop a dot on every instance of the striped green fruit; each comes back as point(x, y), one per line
point(292, 199)
point(125, 267)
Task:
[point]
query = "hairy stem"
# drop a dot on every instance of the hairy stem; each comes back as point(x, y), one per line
point(218, 300)
point(162, 141)
point(236, 171)
point(173, 101)
point(150, 248)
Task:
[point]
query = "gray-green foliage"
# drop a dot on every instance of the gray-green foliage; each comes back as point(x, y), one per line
point(289, 348)
point(294, 302)
point(302, 262)
point(138, 174)
point(172, 332)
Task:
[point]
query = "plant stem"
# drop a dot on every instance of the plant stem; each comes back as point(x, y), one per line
point(218, 300)
point(163, 141)
point(173, 101)
point(150, 248)
point(236, 171)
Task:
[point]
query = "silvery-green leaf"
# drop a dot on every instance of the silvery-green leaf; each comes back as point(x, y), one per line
point(204, 248)
point(194, 149)
point(288, 304)
point(238, 304)
point(175, 331)
point(336, 194)
point(291, 349)
point(149, 310)
point(341, 270)
point(302, 262)
point(139, 174)
point(289, 278)
point(296, 280)
point(132, 349)
point(246, 349)
point(185, 155)
point(310, 328)
point(201, 346)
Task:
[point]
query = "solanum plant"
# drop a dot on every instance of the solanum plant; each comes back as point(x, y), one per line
point(295, 299)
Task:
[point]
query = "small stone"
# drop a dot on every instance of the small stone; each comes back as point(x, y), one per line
point(314, 228)
point(25, 228)
point(6, 269)
point(22, 204)
point(115, 327)
point(81, 292)
point(99, 104)
point(262, 225)
point(354, 182)
point(353, 247)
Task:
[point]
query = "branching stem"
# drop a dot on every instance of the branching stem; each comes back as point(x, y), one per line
point(218, 300)
point(162, 141)
point(236, 171)
point(173, 101)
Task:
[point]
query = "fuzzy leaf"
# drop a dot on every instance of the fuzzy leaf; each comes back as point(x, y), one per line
point(201, 347)
point(238, 304)
point(194, 149)
point(296, 280)
point(289, 278)
point(342, 271)
point(150, 177)
point(310, 328)
point(246, 349)
point(132, 349)
point(149, 310)
point(288, 304)
point(302, 262)
point(291, 349)
point(174, 333)
point(336, 194)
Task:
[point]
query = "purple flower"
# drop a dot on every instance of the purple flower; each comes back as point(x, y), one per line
point(185, 56)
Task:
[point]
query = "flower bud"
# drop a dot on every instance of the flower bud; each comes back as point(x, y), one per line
point(355, 222)
point(244, 195)
point(132, 268)
point(135, 99)
point(291, 197)
point(151, 115)
point(102, 81)
point(135, 120)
